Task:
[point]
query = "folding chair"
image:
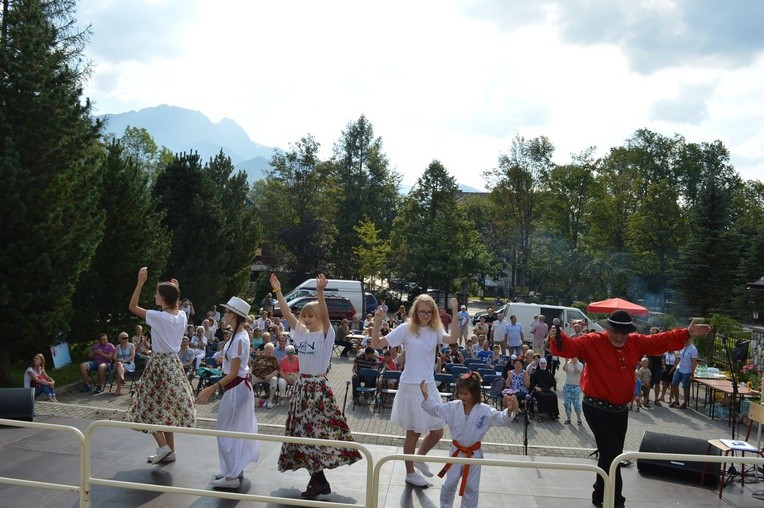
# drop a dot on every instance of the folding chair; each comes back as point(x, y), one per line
point(446, 385)
point(486, 372)
point(386, 391)
point(755, 415)
point(474, 363)
point(368, 384)
point(448, 366)
point(458, 370)
point(492, 396)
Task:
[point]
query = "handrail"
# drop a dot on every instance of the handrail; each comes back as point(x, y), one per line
point(48, 485)
point(87, 480)
point(729, 459)
point(488, 462)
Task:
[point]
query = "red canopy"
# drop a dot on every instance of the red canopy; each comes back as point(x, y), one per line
point(611, 304)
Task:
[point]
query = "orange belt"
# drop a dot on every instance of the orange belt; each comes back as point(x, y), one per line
point(467, 451)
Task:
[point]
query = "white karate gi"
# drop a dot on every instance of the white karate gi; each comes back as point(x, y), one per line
point(466, 430)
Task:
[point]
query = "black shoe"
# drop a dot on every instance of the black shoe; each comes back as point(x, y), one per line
point(315, 490)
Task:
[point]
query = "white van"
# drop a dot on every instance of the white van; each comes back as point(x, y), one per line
point(350, 289)
point(566, 315)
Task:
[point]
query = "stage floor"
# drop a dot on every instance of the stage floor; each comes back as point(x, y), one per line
point(121, 455)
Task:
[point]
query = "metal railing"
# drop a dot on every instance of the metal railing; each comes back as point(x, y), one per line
point(49, 485)
point(678, 457)
point(491, 462)
point(373, 470)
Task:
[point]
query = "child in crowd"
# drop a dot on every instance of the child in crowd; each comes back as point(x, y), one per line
point(645, 376)
point(637, 392)
point(468, 420)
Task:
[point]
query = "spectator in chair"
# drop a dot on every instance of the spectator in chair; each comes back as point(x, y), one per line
point(453, 355)
point(265, 369)
point(101, 354)
point(289, 366)
point(280, 351)
point(343, 330)
point(543, 387)
point(187, 357)
point(367, 360)
point(124, 360)
point(485, 354)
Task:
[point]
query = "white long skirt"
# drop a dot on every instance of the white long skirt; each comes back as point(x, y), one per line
point(407, 409)
point(237, 413)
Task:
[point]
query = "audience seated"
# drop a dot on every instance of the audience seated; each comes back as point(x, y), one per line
point(366, 360)
point(543, 387)
point(124, 359)
point(36, 377)
point(343, 330)
point(265, 369)
point(453, 355)
point(280, 351)
point(289, 366)
point(187, 358)
point(198, 344)
point(100, 354)
point(485, 354)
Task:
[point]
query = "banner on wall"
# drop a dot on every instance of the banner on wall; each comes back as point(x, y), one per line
point(60, 354)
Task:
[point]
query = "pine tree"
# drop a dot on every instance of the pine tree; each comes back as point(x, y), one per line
point(49, 147)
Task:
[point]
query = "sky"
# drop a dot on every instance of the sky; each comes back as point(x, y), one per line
point(451, 80)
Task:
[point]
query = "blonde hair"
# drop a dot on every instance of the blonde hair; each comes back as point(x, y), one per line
point(42, 360)
point(424, 300)
point(310, 309)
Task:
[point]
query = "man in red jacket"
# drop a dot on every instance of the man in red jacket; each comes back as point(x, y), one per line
point(608, 380)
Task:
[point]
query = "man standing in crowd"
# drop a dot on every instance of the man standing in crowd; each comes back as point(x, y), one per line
point(464, 323)
point(539, 329)
point(515, 336)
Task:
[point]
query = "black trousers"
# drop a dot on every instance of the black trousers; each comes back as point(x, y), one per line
point(609, 429)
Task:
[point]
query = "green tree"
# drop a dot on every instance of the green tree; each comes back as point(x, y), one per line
point(706, 265)
point(49, 147)
point(516, 185)
point(213, 230)
point(367, 188)
point(372, 253)
point(138, 145)
point(296, 205)
point(133, 238)
point(433, 243)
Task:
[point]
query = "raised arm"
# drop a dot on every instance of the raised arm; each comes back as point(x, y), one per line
point(285, 311)
point(376, 341)
point(324, 317)
point(454, 336)
point(139, 311)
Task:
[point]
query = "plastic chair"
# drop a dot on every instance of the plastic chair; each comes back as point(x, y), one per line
point(490, 398)
point(387, 392)
point(446, 386)
point(370, 377)
point(486, 372)
point(458, 370)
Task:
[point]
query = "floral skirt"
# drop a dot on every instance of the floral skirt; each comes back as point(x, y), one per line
point(164, 395)
point(313, 412)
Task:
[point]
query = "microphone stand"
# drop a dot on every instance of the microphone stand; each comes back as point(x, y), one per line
point(527, 422)
point(733, 408)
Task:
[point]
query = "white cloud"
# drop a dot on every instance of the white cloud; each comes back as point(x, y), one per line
point(438, 80)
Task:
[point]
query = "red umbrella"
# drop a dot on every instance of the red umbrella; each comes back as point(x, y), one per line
point(611, 304)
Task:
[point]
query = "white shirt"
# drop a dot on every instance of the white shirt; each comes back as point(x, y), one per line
point(420, 351)
point(500, 330)
point(314, 349)
point(166, 330)
point(231, 351)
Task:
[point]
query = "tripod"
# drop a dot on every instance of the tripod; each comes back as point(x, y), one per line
point(526, 423)
point(733, 407)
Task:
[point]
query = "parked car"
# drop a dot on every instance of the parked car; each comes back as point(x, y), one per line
point(370, 301)
point(339, 307)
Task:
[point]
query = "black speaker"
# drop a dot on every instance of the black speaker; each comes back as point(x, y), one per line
point(17, 404)
point(666, 443)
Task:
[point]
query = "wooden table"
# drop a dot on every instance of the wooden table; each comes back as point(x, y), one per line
point(724, 386)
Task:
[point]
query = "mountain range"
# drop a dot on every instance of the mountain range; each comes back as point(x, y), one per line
point(184, 130)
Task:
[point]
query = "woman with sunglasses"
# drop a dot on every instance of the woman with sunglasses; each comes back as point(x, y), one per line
point(421, 336)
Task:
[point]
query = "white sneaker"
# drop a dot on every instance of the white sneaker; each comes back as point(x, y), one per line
point(424, 469)
point(169, 458)
point(222, 483)
point(161, 454)
point(416, 479)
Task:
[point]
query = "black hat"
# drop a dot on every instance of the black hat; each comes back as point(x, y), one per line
point(619, 321)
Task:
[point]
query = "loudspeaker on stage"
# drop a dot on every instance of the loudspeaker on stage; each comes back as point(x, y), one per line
point(17, 404)
point(655, 442)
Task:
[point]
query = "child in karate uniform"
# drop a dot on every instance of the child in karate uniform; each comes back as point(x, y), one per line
point(468, 420)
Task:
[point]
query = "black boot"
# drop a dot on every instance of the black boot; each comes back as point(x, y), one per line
point(318, 485)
